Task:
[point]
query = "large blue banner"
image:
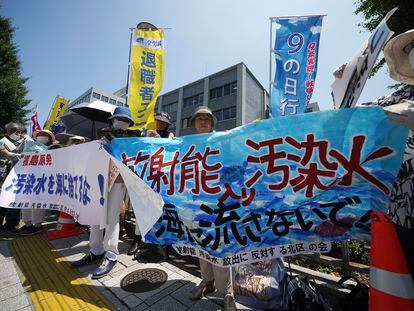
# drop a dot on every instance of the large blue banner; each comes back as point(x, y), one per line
point(296, 54)
point(272, 188)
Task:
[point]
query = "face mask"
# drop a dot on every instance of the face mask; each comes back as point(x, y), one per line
point(120, 125)
point(43, 140)
point(15, 137)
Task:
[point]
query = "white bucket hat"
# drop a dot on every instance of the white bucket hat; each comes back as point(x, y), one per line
point(399, 55)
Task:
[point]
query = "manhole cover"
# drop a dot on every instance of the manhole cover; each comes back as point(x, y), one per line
point(144, 280)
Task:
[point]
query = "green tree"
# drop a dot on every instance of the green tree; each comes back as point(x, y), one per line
point(12, 90)
point(374, 11)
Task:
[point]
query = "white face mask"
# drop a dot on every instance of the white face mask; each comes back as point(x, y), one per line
point(120, 125)
point(15, 137)
point(43, 140)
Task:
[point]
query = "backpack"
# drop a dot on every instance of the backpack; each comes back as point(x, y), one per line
point(357, 299)
point(304, 296)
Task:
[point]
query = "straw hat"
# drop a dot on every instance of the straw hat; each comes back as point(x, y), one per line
point(36, 133)
point(399, 55)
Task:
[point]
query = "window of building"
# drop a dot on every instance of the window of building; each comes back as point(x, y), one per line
point(212, 93)
point(225, 114)
point(218, 114)
point(120, 103)
point(224, 90)
point(112, 101)
point(195, 100)
point(219, 92)
point(96, 95)
point(170, 107)
point(185, 123)
point(233, 112)
point(233, 88)
point(104, 98)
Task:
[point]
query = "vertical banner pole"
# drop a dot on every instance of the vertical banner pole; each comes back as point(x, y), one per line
point(270, 65)
point(129, 66)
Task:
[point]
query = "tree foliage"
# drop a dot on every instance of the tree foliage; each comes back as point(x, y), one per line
point(13, 92)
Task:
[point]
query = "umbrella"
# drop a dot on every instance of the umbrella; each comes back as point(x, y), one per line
point(85, 118)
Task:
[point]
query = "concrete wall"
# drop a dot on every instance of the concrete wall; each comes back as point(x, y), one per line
point(254, 100)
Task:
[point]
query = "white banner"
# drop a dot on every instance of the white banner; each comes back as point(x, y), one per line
point(76, 180)
point(71, 180)
point(350, 78)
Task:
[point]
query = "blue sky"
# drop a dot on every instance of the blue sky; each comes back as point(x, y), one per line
point(68, 46)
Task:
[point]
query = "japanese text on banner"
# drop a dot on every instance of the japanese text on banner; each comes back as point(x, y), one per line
point(296, 54)
point(250, 188)
point(147, 75)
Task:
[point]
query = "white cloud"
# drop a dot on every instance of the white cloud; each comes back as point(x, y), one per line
point(278, 26)
point(316, 29)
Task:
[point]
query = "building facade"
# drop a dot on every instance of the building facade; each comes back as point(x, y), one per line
point(97, 94)
point(234, 95)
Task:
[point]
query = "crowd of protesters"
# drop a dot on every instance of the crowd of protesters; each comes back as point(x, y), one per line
point(103, 242)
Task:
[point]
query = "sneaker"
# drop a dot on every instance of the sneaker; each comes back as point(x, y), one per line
point(229, 303)
point(32, 230)
point(87, 259)
point(104, 269)
point(21, 230)
point(202, 289)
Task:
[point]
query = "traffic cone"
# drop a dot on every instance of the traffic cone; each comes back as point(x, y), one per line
point(66, 228)
point(392, 287)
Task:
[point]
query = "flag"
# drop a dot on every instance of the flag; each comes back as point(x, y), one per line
point(147, 75)
point(35, 123)
point(58, 109)
point(350, 77)
point(296, 55)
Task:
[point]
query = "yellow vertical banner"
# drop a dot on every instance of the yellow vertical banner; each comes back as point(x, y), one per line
point(58, 109)
point(147, 76)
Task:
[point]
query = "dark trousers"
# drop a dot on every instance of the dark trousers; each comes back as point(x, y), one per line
point(406, 237)
point(10, 216)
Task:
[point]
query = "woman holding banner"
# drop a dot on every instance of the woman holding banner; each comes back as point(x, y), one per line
point(212, 276)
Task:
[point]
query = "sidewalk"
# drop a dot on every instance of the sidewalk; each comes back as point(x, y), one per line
point(28, 283)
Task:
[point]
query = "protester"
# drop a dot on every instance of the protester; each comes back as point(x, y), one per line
point(163, 122)
point(33, 218)
point(44, 137)
point(212, 276)
point(9, 156)
point(103, 242)
point(399, 55)
point(76, 140)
